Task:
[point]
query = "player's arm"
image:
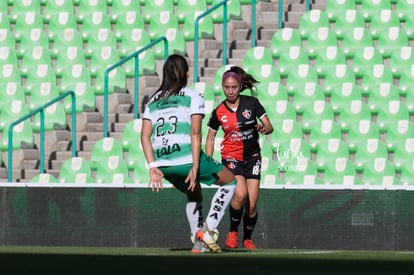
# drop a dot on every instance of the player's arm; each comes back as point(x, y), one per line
point(210, 140)
point(196, 139)
point(265, 127)
point(155, 173)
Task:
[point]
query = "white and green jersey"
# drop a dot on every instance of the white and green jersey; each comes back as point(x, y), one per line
point(171, 126)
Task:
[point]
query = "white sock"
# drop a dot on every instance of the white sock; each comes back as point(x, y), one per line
point(194, 215)
point(219, 204)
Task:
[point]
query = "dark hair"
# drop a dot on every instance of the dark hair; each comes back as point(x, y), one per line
point(247, 80)
point(175, 76)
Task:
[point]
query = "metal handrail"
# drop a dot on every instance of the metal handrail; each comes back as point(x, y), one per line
point(134, 55)
point(42, 131)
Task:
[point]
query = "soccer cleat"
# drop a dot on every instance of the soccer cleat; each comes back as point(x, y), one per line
point(232, 240)
point(207, 238)
point(248, 244)
point(199, 247)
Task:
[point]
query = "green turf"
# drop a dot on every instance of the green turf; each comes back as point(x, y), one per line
point(93, 260)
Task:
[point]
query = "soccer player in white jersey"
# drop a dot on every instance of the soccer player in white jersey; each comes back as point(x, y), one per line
point(171, 140)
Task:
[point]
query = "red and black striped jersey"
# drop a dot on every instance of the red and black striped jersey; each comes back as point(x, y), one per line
point(241, 138)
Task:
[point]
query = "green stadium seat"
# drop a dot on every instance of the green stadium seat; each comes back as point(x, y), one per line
point(64, 39)
point(189, 8)
point(77, 73)
point(131, 133)
point(4, 19)
point(116, 82)
point(370, 150)
point(135, 155)
point(25, 22)
point(161, 22)
point(320, 39)
point(302, 172)
point(356, 39)
point(103, 149)
point(404, 9)
point(233, 11)
point(87, 7)
point(303, 73)
point(99, 39)
point(271, 91)
point(68, 57)
point(44, 178)
point(264, 73)
point(340, 74)
point(22, 135)
point(133, 40)
point(314, 113)
point(398, 134)
point(205, 89)
point(54, 118)
point(407, 174)
point(354, 111)
point(365, 60)
point(101, 59)
point(53, 7)
point(380, 172)
point(205, 26)
point(7, 38)
point(18, 7)
point(384, 20)
point(34, 57)
point(128, 22)
point(94, 22)
point(141, 173)
point(311, 20)
point(85, 98)
point(322, 132)
point(289, 130)
point(32, 38)
point(218, 78)
point(359, 132)
point(146, 64)
point(176, 44)
point(406, 82)
point(279, 110)
point(12, 111)
point(43, 73)
point(346, 21)
point(329, 151)
point(340, 171)
point(59, 22)
point(290, 59)
point(112, 170)
point(4, 8)
point(10, 91)
point(403, 152)
point(8, 55)
point(401, 61)
point(126, 12)
point(335, 8)
point(391, 41)
point(75, 170)
point(310, 92)
point(343, 96)
point(380, 95)
point(372, 77)
point(41, 93)
point(283, 39)
point(289, 151)
point(372, 8)
point(393, 112)
point(327, 58)
point(153, 8)
point(258, 55)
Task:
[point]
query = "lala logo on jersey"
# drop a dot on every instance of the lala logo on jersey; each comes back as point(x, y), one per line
point(247, 113)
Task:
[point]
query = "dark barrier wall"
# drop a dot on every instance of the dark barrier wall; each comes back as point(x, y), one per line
point(136, 217)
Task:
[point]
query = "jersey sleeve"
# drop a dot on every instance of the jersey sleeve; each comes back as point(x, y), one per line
point(197, 104)
point(260, 110)
point(213, 122)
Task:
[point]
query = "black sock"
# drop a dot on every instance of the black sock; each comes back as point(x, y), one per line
point(249, 225)
point(235, 218)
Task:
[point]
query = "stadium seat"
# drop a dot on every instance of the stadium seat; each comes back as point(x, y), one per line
point(403, 152)
point(135, 155)
point(42, 73)
point(218, 78)
point(25, 22)
point(264, 73)
point(398, 134)
point(32, 38)
point(94, 22)
point(64, 39)
point(141, 173)
point(44, 178)
point(85, 97)
point(340, 171)
point(176, 44)
point(77, 73)
point(340, 74)
point(190, 7)
point(311, 20)
point(314, 113)
point(161, 22)
point(205, 89)
point(53, 7)
point(7, 38)
point(404, 9)
point(409, 102)
point(258, 55)
point(327, 58)
point(290, 59)
point(205, 27)
point(318, 40)
point(283, 39)
point(401, 61)
point(59, 22)
point(372, 8)
point(346, 21)
point(75, 170)
point(233, 11)
point(33, 57)
point(4, 18)
point(133, 40)
point(335, 8)
point(354, 111)
point(356, 39)
point(391, 41)
point(146, 64)
point(41, 93)
point(393, 112)
point(54, 118)
point(343, 95)
point(128, 22)
point(87, 7)
point(101, 59)
point(289, 130)
point(131, 133)
point(308, 93)
point(114, 169)
point(365, 60)
point(329, 151)
point(153, 8)
point(99, 39)
point(359, 132)
point(271, 91)
point(380, 95)
point(12, 111)
point(10, 91)
point(18, 7)
point(380, 172)
point(304, 73)
point(68, 57)
point(126, 12)
point(322, 132)
point(373, 77)
point(369, 150)
point(407, 174)
point(279, 110)
point(103, 149)
point(116, 82)
point(384, 20)
point(406, 82)
point(22, 136)
point(8, 55)
point(302, 172)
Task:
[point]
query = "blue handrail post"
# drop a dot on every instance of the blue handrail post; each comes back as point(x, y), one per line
point(42, 131)
point(197, 22)
point(254, 42)
point(280, 14)
point(308, 5)
point(119, 63)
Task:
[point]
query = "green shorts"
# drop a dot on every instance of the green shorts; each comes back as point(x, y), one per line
point(209, 168)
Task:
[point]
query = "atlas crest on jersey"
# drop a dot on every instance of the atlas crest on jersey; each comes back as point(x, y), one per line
point(247, 113)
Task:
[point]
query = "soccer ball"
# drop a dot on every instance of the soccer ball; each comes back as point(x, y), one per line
point(215, 232)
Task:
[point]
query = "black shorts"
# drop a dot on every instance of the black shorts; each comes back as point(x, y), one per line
point(250, 168)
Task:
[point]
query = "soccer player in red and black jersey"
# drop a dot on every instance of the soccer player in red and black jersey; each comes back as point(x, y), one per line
point(242, 118)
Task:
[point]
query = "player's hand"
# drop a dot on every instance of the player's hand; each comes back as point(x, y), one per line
point(191, 179)
point(261, 129)
point(156, 176)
